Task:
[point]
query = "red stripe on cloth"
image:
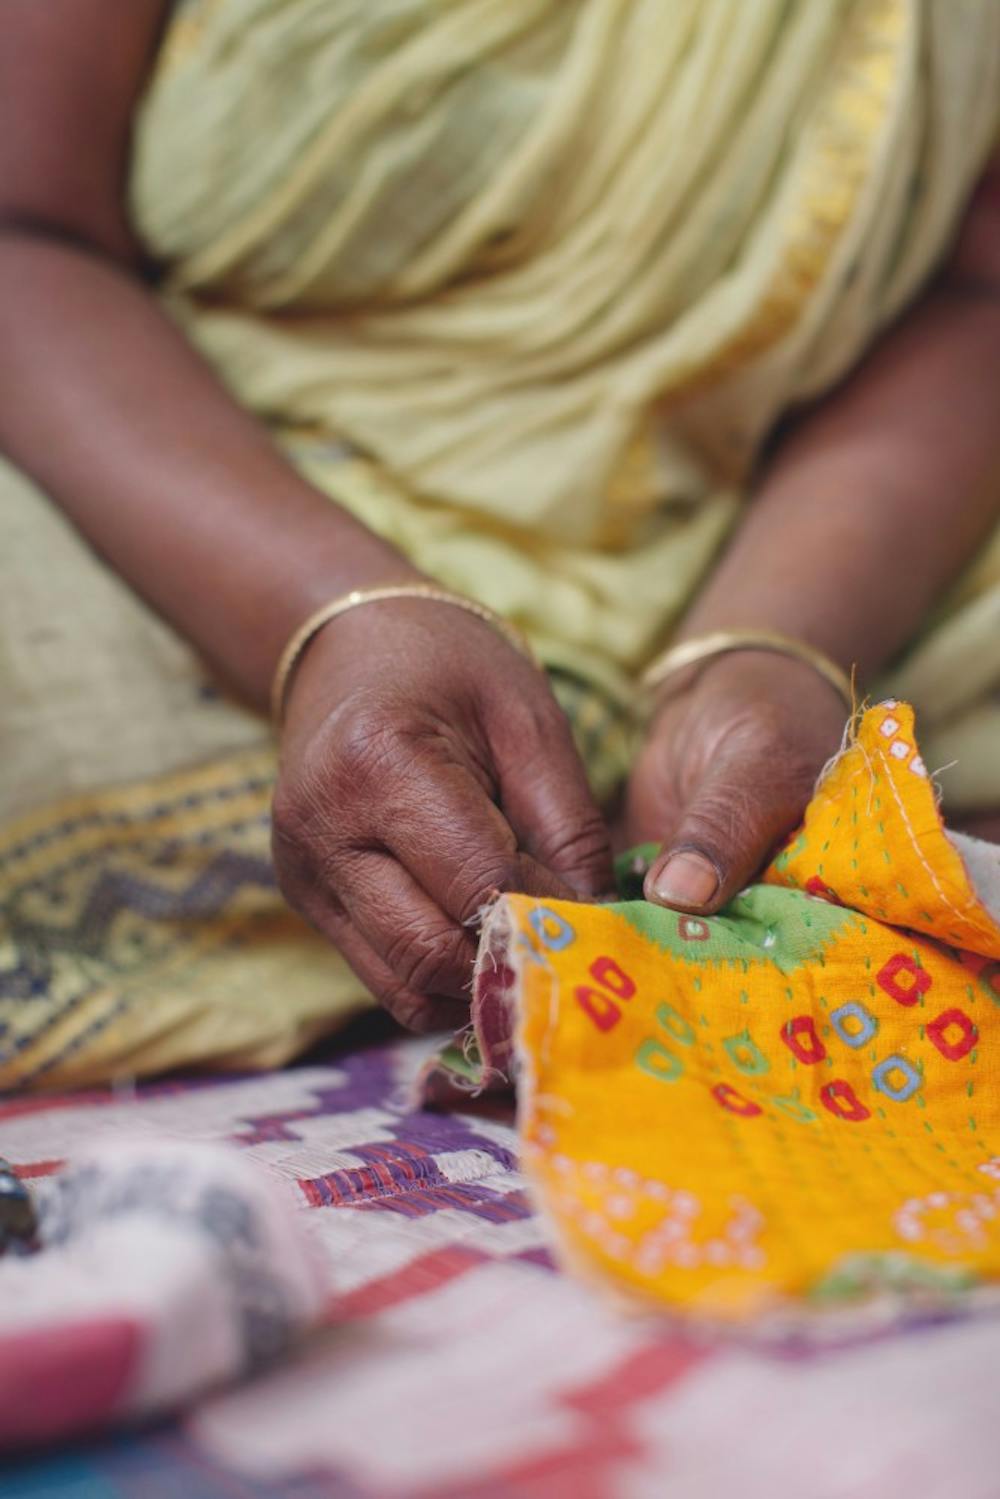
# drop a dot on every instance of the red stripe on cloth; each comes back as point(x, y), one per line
point(586, 1467)
point(420, 1276)
point(29, 1170)
point(310, 1191)
point(645, 1372)
point(380, 1171)
point(49, 1103)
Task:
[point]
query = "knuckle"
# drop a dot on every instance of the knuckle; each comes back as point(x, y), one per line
point(336, 778)
point(363, 750)
point(425, 958)
point(776, 752)
point(534, 721)
point(476, 880)
point(292, 825)
point(307, 849)
point(582, 842)
point(582, 846)
point(298, 817)
point(753, 732)
point(415, 1012)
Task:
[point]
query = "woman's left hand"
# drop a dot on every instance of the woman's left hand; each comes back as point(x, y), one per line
point(726, 772)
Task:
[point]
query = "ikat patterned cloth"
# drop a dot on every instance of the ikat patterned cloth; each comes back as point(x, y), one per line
point(454, 1359)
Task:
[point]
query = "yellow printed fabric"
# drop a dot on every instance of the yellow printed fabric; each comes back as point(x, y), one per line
point(794, 1104)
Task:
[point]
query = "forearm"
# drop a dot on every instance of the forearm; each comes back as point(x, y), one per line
point(107, 407)
point(879, 497)
point(866, 511)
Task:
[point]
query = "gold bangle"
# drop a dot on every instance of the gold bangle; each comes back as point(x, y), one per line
point(722, 642)
point(291, 655)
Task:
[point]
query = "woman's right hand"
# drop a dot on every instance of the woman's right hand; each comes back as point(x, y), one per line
point(426, 766)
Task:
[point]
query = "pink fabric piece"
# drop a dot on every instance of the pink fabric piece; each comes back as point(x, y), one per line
point(166, 1268)
point(58, 1381)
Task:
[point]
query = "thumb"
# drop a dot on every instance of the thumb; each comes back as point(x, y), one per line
point(723, 836)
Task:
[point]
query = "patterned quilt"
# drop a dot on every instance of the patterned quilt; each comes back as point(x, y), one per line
point(460, 1363)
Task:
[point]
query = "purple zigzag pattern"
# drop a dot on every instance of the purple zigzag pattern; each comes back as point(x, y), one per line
point(368, 1080)
point(363, 1080)
point(401, 1175)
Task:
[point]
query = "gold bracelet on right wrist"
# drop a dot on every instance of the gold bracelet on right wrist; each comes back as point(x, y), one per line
point(355, 599)
point(723, 642)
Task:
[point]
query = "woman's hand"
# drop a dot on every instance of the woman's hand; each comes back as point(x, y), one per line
point(426, 766)
point(726, 772)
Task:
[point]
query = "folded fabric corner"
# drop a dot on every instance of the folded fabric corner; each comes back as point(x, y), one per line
point(787, 1110)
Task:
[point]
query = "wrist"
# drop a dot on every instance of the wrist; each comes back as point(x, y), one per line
point(269, 583)
point(417, 614)
point(756, 679)
point(683, 663)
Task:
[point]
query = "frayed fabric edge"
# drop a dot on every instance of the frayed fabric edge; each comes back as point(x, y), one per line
point(482, 1058)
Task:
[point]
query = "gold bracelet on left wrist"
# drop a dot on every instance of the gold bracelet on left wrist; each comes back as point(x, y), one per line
point(723, 642)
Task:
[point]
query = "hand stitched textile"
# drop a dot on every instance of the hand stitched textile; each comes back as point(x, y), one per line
point(794, 1102)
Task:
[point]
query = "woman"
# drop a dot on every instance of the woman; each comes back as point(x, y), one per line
point(300, 298)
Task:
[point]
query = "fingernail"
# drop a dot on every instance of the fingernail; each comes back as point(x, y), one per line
point(686, 880)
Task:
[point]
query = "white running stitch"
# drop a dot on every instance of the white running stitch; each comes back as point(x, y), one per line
point(919, 852)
